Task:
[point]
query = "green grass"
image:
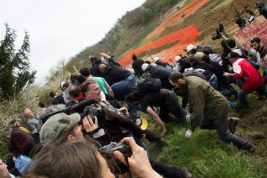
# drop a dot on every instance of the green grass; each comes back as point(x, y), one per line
point(223, 4)
point(207, 156)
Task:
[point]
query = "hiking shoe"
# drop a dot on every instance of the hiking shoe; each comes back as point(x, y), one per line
point(248, 147)
point(232, 122)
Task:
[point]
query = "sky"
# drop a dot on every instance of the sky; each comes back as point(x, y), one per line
point(60, 29)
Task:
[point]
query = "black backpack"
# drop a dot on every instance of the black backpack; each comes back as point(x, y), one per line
point(149, 85)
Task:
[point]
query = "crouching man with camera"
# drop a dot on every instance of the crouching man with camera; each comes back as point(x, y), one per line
point(78, 157)
point(65, 148)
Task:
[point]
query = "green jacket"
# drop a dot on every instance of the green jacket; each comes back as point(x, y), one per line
point(204, 100)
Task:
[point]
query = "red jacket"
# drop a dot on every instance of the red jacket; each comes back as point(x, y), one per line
point(251, 78)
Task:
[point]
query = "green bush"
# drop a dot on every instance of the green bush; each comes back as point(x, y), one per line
point(14, 108)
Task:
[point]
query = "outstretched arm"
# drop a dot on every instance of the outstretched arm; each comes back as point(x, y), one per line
point(157, 120)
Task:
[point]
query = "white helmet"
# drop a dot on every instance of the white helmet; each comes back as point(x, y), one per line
point(156, 59)
point(190, 48)
point(177, 58)
point(145, 66)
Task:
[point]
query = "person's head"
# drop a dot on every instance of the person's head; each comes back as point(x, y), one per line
point(79, 159)
point(177, 80)
point(28, 113)
point(14, 123)
point(94, 59)
point(74, 91)
point(85, 72)
point(191, 50)
point(64, 85)
point(199, 56)
point(177, 58)
point(3, 170)
point(145, 67)
point(41, 104)
point(233, 55)
point(77, 79)
point(134, 57)
point(91, 90)
point(264, 61)
point(61, 128)
point(52, 94)
point(134, 97)
point(231, 43)
point(256, 43)
point(224, 45)
point(156, 59)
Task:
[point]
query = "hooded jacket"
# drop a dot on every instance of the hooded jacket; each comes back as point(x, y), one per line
point(251, 78)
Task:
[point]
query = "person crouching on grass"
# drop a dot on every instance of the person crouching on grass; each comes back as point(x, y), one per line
point(209, 109)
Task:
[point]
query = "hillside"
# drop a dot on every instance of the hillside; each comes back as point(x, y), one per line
point(166, 35)
point(157, 28)
point(164, 28)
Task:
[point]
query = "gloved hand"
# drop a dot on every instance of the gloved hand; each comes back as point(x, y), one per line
point(188, 134)
point(188, 117)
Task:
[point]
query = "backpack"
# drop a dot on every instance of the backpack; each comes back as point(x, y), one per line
point(149, 85)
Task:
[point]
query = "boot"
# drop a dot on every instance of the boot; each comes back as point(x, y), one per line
point(248, 147)
point(170, 171)
point(232, 122)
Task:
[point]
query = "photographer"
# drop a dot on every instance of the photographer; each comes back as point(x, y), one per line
point(3, 171)
point(113, 126)
point(81, 159)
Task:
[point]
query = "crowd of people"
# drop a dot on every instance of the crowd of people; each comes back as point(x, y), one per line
point(249, 14)
point(100, 106)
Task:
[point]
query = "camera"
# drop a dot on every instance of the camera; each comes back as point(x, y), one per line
point(80, 108)
point(91, 111)
point(116, 166)
point(123, 148)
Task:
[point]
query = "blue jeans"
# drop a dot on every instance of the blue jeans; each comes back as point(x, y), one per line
point(214, 82)
point(124, 87)
point(241, 95)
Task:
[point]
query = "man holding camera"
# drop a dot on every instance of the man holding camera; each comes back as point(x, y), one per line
point(115, 119)
point(115, 122)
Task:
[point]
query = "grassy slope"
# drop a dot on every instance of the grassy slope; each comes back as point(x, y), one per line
point(207, 156)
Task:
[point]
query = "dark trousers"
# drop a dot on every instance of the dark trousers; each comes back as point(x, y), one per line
point(170, 110)
point(241, 95)
point(166, 170)
point(221, 125)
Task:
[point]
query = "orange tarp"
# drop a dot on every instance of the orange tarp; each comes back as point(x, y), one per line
point(174, 17)
point(181, 38)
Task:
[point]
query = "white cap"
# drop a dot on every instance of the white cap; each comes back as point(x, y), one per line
point(62, 85)
point(156, 59)
point(190, 48)
point(145, 66)
point(177, 58)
